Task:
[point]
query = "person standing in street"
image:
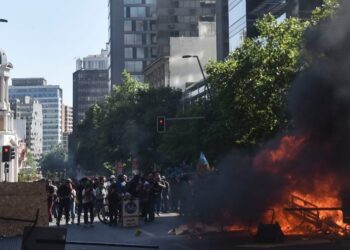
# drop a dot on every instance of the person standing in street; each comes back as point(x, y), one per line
point(79, 199)
point(114, 201)
point(89, 198)
point(72, 203)
point(165, 195)
point(64, 193)
point(51, 196)
point(158, 187)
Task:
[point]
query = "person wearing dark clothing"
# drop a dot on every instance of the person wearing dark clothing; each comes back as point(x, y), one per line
point(133, 186)
point(114, 200)
point(79, 198)
point(89, 198)
point(64, 193)
point(158, 187)
point(165, 195)
point(148, 194)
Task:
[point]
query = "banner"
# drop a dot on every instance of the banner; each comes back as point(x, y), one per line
point(119, 168)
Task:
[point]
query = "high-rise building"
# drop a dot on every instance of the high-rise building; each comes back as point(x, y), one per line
point(30, 111)
point(67, 118)
point(90, 84)
point(67, 125)
point(132, 37)
point(244, 13)
point(180, 18)
point(93, 62)
point(178, 72)
point(222, 41)
point(50, 96)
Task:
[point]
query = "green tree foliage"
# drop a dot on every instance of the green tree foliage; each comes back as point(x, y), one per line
point(251, 86)
point(124, 126)
point(248, 104)
point(54, 161)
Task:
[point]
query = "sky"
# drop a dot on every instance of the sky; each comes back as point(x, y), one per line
point(43, 38)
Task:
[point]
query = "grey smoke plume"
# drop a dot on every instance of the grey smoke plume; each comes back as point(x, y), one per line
point(319, 102)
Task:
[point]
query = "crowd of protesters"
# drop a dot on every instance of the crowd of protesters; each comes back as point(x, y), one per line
point(85, 197)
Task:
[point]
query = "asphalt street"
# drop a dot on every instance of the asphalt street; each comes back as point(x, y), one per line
point(156, 234)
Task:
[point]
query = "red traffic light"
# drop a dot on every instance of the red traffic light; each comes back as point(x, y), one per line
point(161, 124)
point(6, 155)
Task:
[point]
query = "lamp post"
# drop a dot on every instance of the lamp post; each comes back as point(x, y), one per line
point(201, 68)
point(3, 21)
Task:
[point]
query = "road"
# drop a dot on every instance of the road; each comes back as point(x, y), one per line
point(156, 234)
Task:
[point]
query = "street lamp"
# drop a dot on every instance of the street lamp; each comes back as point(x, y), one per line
point(201, 68)
point(3, 21)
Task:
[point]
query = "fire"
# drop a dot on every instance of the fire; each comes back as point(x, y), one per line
point(271, 160)
point(309, 205)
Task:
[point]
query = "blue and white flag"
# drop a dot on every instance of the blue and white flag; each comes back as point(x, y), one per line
point(203, 164)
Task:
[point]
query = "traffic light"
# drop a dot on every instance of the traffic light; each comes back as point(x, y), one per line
point(13, 153)
point(6, 153)
point(161, 124)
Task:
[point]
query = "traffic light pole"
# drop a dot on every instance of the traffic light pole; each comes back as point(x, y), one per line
point(185, 118)
point(6, 171)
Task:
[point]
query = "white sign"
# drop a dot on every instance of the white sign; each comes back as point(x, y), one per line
point(131, 212)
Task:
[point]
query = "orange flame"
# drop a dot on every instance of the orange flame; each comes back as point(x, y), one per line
point(302, 210)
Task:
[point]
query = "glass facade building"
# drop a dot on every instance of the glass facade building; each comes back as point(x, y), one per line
point(244, 13)
point(132, 37)
point(237, 22)
point(50, 96)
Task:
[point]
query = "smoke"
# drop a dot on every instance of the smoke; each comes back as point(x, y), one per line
point(319, 147)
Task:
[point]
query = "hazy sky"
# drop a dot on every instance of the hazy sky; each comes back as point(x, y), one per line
point(44, 37)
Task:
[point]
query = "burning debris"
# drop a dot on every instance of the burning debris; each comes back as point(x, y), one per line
point(304, 175)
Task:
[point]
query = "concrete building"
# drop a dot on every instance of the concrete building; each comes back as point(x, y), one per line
point(180, 19)
point(93, 62)
point(29, 110)
point(67, 118)
point(8, 171)
point(67, 125)
point(132, 37)
point(222, 40)
point(90, 85)
point(177, 72)
point(50, 96)
point(244, 13)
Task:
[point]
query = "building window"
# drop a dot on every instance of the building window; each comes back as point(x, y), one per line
point(140, 53)
point(137, 12)
point(132, 1)
point(128, 53)
point(139, 25)
point(133, 66)
point(127, 26)
point(132, 39)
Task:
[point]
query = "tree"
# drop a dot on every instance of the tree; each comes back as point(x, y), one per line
point(54, 161)
point(252, 85)
point(123, 127)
